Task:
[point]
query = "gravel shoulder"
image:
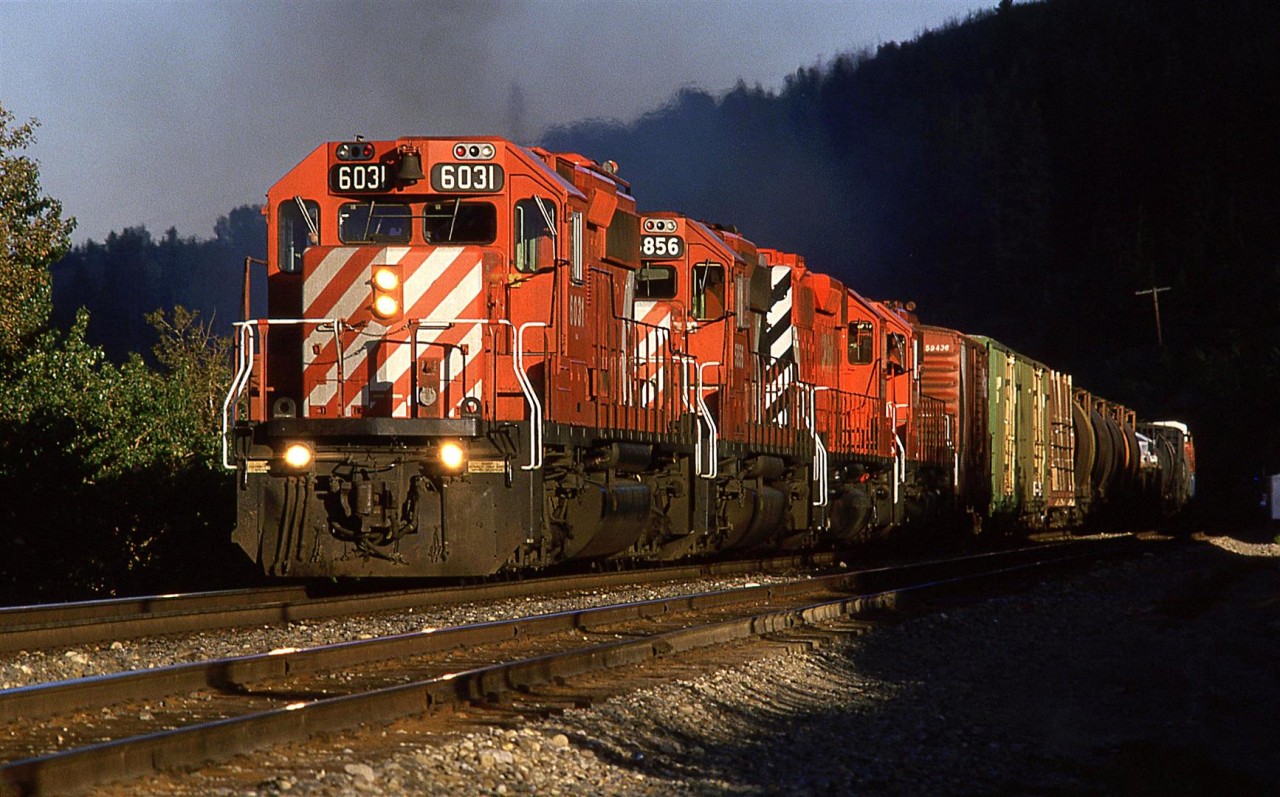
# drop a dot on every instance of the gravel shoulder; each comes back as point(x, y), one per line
point(1153, 676)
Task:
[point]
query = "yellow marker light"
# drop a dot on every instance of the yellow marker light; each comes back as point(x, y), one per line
point(297, 455)
point(386, 306)
point(451, 456)
point(386, 279)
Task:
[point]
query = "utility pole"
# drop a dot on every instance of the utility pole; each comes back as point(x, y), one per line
point(1155, 302)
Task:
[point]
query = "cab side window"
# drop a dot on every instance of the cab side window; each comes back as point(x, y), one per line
point(535, 225)
point(861, 343)
point(294, 233)
point(708, 300)
point(897, 353)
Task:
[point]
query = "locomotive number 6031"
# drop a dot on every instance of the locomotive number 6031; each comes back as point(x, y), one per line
point(353, 178)
point(476, 178)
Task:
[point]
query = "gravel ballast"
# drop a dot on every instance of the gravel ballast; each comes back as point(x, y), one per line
point(23, 668)
point(1155, 675)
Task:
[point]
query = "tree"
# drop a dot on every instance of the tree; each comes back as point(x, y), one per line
point(33, 235)
point(108, 481)
point(196, 365)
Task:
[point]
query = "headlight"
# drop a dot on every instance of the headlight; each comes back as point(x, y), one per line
point(451, 456)
point(298, 455)
point(386, 306)
point(386, 279)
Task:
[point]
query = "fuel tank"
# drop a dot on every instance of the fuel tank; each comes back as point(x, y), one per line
point(606, 518)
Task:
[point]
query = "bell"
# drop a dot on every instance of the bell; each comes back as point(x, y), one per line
point(410, 167)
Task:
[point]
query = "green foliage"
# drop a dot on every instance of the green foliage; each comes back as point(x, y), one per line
point(196, 366)
point(33, 235)
point(108, 481)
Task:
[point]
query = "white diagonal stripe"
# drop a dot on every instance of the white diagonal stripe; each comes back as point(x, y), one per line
point(415, 287)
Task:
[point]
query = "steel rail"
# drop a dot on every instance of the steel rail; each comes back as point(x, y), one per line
point(64, 696)
point(54, 625)
point(77, 769)
point(43, 614)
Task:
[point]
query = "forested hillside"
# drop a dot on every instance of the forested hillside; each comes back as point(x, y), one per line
point(1022, 175)
point(131, 274)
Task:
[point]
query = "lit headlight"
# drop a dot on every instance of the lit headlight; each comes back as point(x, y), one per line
point(386, 279)
point(451, 456)
point(298, 455)
point(386, 306)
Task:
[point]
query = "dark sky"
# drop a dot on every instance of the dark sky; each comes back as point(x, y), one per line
point(173, 113)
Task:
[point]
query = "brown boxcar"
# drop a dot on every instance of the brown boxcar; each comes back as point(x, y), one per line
point(954, 371)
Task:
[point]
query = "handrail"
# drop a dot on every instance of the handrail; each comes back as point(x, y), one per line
point(687, 383)
point(535, 405)
point(244, 369)
point(902, 466)
point(955, 457)
point(340, 365)
point(691, 386)
point(819, 450)
point(899, 452)
point(248, 331)
point(713, 436)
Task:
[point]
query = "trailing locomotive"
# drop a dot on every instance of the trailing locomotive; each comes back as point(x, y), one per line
point(479, 356)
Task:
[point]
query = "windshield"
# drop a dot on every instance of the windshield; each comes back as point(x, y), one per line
point(458, 222)
point(655, 282)
point(444, 222)
point(370, 222)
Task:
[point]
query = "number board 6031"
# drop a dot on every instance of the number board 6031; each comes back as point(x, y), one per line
point(660, 247)
point(357, 178)
point(467, 178)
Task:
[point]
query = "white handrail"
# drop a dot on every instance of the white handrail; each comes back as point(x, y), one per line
point(955, 457)
point(244, 369)
point(899, 453)
point(713, 434)
point(535, 405)
point(819, 450)
point(691, 386)
point(902, 466)
point(686, 382)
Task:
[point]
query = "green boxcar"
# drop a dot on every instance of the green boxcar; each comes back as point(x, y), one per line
point(1032, 439)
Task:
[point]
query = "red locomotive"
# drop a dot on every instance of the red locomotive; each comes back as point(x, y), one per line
point(480, 356)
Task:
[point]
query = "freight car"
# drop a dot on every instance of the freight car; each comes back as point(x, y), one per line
point(479, 357)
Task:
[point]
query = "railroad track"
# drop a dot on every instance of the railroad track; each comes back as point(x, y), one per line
point(88, 622)
point(67, 736)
